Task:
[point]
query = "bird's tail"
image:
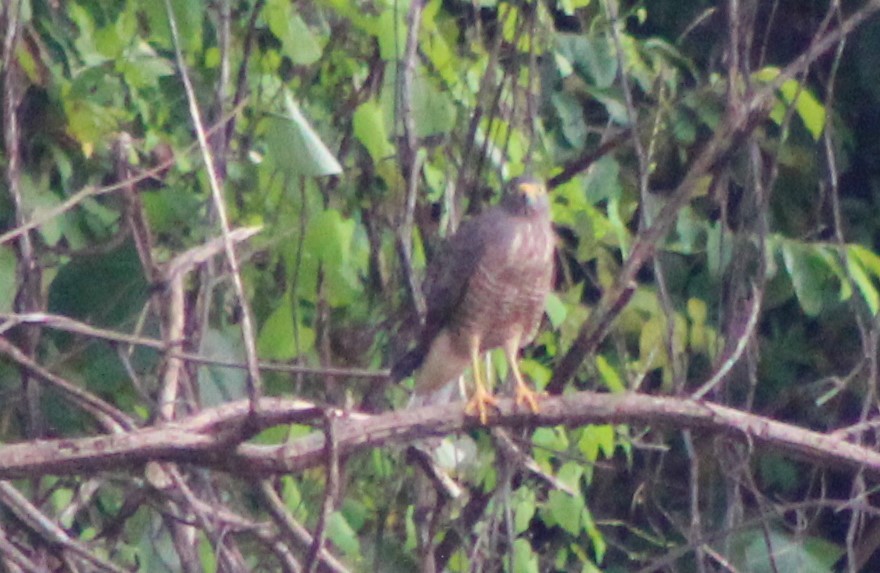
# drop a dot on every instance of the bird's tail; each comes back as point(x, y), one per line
point(408, 363)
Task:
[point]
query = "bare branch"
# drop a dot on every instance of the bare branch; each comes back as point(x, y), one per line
point(47, 529)
point(209, 438)
point(293, 530)
point(247, 328)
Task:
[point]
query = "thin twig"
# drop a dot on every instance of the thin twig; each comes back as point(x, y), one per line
point(45, 528)
point(331, 449)
point(247, 328)
point(293, 530)
point(409, 161)
point(111, 418)
point(58, 322)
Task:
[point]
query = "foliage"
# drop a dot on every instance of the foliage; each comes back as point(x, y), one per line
point(322, 119)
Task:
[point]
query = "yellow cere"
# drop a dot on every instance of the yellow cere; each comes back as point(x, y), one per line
point(532, 189)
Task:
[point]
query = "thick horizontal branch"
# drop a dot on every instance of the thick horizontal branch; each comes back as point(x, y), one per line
point(199, 439)
point(216, 437)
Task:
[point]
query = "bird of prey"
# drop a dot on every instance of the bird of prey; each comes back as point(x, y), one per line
point(486, 289)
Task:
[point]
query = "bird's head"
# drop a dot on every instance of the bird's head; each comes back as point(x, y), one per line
point(526, 196)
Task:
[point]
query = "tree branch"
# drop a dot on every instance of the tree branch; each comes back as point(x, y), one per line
point(208, 439)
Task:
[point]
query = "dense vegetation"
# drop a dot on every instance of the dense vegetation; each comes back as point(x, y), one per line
point(210, 206)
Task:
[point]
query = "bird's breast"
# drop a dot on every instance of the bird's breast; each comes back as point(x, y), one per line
point(506, 293)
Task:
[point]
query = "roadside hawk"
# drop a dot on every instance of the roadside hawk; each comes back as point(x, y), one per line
point(486, 289)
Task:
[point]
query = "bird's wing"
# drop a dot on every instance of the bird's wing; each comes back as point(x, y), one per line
point(446, 281)
point(447, 277)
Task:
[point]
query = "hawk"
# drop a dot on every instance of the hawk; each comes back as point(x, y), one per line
point(486, 289)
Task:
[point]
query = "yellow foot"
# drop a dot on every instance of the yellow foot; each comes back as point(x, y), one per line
point(480, 403)
point(525, 397)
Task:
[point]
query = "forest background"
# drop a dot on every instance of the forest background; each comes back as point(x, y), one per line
point(215, 217)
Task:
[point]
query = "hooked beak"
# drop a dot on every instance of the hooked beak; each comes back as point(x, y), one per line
point(532, 191)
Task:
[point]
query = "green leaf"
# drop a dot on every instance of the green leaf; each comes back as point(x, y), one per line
point(340, 246)
point(868, 258)
point(756, 551)
point(8, 266)
point(553, 439)
point(603, 180)
point(391, 33)
point(369, 129)
point(524, 558)
point(566, 511)
point(652, 344)
point(571, 118)
point(570, 474)
point(808, 108)
point(593, 58)
point(524, 509)
point(432, 109)
point(296, 147)
point(342, 535)
point(863, 283)
point(297, 41)
point(278, 338)
point(555, 309)
point(593, 533)
point(805, 270)
point(610, 377)
point(218, 385)
point(207, 554)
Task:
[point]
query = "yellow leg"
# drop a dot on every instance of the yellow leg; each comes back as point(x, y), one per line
point(524, 395)
point(482, 398)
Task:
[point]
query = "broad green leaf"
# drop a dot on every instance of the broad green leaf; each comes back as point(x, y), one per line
point(279, 339)
point(652, 344)
point(809, 109)
point(342, 535)
point(592, 57)
point(566, 511)
point(807, 273)
point(524, 509)
point(534, 371)
point(525, 560)
point(570, 474)
point(370, 129)
point(432, 108)
point(718, 250)
point(340, 246)
point(219, 385)
point(868, 258)
point(863, 283)
point(571, 118)
point(755, 551)
point(8, 266)
point(291, 494)
point(207, 554)
point(144, 67)
point(555, 309)
point(188, 16)
point(610, 378)
point(74, 291)
point(779, 472)
point(603, 180)
point(297, 41)
point(296, 146)
point(553, 439)
point(593, 533)
point(391, 33)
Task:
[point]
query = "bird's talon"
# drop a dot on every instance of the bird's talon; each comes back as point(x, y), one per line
point(527, 398)
point(479, 405)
